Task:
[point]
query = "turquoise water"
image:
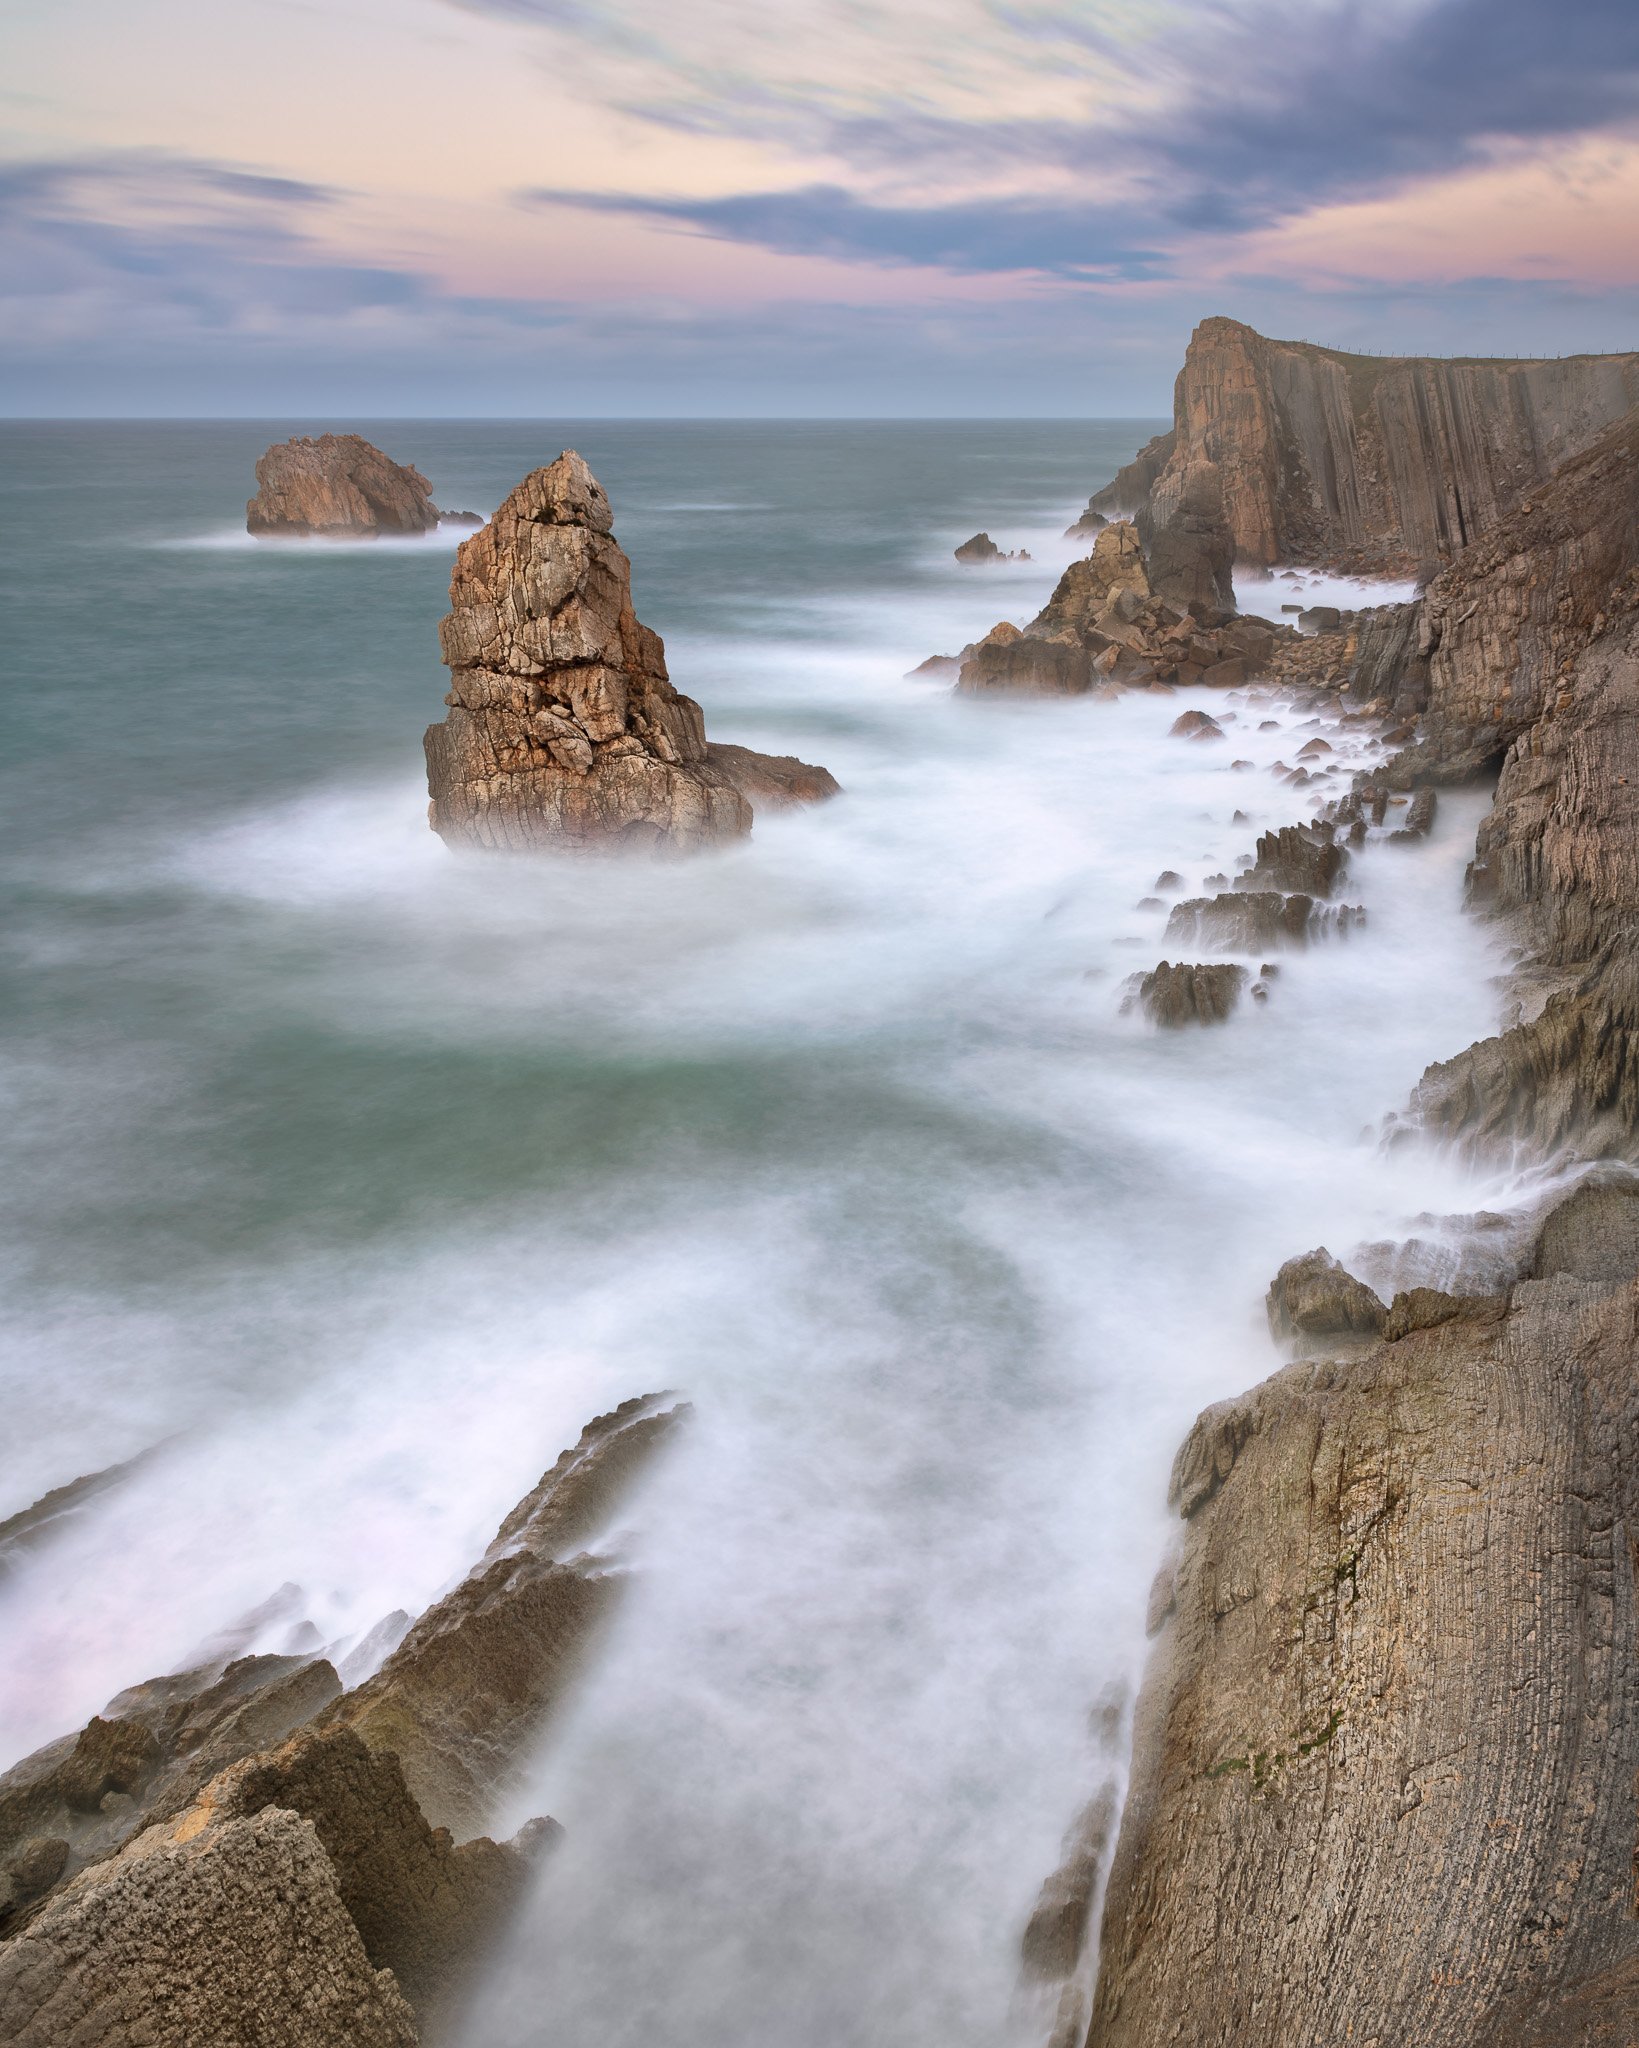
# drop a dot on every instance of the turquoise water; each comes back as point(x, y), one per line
point(358, 1177)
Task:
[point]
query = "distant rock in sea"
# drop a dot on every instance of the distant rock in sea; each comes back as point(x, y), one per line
point(341, 485)
point(981, 548)
point(564, 729)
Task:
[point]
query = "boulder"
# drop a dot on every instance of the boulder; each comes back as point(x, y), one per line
point(1008, 662)
point(563, 729)
point(1196, 725)
point(1314, 1296)
point(339, 485)
point(1320, 618)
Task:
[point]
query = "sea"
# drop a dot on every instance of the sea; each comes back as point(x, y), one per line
point(345, 1179)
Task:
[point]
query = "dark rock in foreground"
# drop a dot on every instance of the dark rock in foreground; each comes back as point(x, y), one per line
point(244, 1855)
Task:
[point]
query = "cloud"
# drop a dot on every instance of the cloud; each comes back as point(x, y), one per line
point(1084, 140)
point(827, 220)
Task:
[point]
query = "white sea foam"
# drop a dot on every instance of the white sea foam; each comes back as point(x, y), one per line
point(236, 540)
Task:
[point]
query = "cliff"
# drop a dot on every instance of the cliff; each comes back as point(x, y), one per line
point(1378, 464)
point(245, 1853)
point(1383, 1785)
point(338, 485)
point(563, 727)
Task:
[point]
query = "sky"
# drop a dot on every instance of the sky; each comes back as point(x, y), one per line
point(946, 208)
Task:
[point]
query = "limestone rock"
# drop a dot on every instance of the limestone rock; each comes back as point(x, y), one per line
point(775, 782)
point(1298, 859)
point(1315, 1296)
point(338, 485)
point(232, 1932)
point(1256, 921)
point(1384, 1761)
point(1364, 462)
point(563, 729)
point(1200, 993)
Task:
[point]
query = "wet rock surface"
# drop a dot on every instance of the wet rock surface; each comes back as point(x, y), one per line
point(243, 1853)
point(1201, 992)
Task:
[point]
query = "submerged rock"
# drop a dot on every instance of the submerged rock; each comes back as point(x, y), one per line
point(564, 730)
point(338, 485)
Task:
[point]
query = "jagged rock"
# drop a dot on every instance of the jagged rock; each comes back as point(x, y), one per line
point(1187, 541)
point(1196, 725)
point(981, 548)
point(776, 782)
point(469, 1688)
point(228, 1781)
point(226, 1931)
point(1252, 922)
point(1315, 1296)
point(1391, 664)
point(1364, 462)
point(338, 484)
point(1295, 860)
point(1200, 993)
point(1007, 662)
point(1383, 1773)
point(1056, 1933)
point(1593, 1234)
point(1419, 818)
point(563, 728)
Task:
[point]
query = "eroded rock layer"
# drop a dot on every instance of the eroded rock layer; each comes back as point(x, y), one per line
point(245, 1854)
point(1384, 1773)
point(1367, 462)
point(563, 729)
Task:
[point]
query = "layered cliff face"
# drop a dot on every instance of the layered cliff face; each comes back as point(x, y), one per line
point(1383, 1787)
point(338, 485)
point(246, 1853)
point(564, 729)
point(1374, 463)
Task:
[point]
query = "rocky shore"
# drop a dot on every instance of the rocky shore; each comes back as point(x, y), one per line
point(252, 1850)
point(1384, 1770)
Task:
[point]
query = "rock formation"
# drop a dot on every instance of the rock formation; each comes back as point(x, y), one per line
point(1108, 624)
point(1365, 462)
point(341, 485)
point(1384, 1770)
point(244, 1853)
point(1386, 1756)
point(1258, 921)
point(563, 729)
point(1188, 993)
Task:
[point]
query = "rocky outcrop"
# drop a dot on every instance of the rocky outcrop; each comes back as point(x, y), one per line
point(1108, 625)
point(564, 730)
point(340, 486)
point(1188, 993)
point(1315, 1296)
point(774, 782)
point(1301, 859)
point(1385, 1758)
point(981, 548)
point(244, 1853)
point(1370, 463)
point(1187, 538)
point(1258, 921)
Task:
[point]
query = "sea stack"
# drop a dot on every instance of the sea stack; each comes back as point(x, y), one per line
point(563, 729)
point(340, 486)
